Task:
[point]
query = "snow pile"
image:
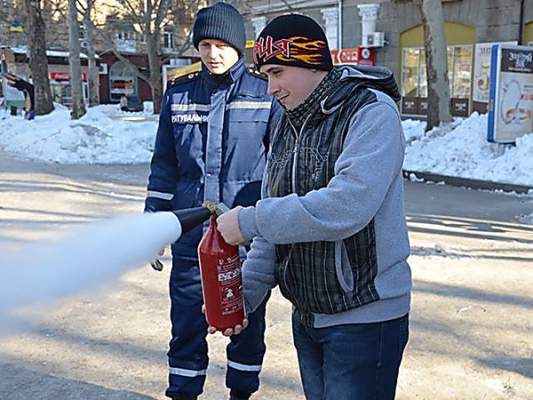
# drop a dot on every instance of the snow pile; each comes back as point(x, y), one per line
point(108, 135)
point(462, 150)
point(94, 138)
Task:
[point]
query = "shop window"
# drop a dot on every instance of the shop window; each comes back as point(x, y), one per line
point(414, 78)
point(414, 73)
point(460, 71)
point(62, 93)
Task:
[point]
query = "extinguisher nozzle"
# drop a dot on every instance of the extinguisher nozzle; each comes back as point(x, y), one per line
point(189, 218)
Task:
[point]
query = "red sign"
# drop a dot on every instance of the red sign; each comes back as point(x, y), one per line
point(356, 55)
point(64, 76)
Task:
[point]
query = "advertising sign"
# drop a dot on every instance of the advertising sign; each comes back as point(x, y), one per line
point(16, 26)
point(511, 93)
point(64, 76)
point(356, 55)
point(480, 87)
point(122, 86)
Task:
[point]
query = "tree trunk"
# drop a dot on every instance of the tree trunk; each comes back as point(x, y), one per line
point(78, 107)
point(35, 31)
point(436, 63)
point(94, 98)
point(154, 63)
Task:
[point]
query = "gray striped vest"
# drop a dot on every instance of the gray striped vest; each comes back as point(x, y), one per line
point(309, 274)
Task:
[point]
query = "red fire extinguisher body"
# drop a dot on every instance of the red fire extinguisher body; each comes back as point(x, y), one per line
point(220, 269)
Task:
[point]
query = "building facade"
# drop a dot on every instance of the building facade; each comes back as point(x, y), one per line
point(115, 79)
point(391, 30)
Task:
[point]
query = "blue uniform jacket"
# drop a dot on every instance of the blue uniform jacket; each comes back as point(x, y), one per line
point(211, 144)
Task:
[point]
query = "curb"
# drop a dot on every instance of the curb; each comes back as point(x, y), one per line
point(467, 182)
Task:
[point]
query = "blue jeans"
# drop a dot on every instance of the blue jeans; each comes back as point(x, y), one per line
point(351, 362)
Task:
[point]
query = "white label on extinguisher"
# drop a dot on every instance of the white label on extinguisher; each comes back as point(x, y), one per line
point(229, 277)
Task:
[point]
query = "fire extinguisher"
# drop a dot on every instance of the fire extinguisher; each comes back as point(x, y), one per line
point(220, 271)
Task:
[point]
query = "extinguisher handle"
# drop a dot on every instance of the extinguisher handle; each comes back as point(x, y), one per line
point(215, 208)
point(221, 208)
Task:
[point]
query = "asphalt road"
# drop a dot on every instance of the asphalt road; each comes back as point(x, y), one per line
point(471, 320)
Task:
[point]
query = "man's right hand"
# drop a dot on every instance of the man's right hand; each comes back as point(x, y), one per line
point(156, 264)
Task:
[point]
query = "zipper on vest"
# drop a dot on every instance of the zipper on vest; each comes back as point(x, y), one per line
point(296, 151)
point(293, 181)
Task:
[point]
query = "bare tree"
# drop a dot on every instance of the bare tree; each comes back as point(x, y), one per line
point(36, 33)
point(148, 17)
point(94, 98)
point(78, 106)
point(152, 31)
point(436, 63)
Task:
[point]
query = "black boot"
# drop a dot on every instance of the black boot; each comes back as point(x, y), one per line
point(236, 395)
point(185, 397)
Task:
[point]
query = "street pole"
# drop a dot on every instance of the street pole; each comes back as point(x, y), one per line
point(521, 23)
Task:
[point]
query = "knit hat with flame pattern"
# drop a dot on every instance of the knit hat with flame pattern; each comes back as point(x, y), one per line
point(295, 40)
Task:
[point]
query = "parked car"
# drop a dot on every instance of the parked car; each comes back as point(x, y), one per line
point(132, 104)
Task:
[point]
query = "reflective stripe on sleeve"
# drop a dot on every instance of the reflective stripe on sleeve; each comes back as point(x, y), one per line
point(190, 373)
point(190, 107)
point(160, 195)
point(249, 105)
point(244, 367)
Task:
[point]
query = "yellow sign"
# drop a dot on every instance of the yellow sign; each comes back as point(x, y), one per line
point(250, 44)
point(15, 26)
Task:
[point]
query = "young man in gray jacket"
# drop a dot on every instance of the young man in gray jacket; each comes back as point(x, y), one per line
point(330, 229)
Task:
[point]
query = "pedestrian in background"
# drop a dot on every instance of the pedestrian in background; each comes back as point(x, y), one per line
point(29, 94)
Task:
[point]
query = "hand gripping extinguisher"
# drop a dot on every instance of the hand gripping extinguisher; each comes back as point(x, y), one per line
point(220, 270)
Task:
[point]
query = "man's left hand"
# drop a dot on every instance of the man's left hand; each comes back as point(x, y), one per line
point(230, 331)
point(228, 226)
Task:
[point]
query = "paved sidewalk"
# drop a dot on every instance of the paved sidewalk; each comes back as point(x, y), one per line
point(471, 323)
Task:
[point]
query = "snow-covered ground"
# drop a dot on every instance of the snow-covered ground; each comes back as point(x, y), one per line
point(107, 135)
point(103, 135)
point(461, 149)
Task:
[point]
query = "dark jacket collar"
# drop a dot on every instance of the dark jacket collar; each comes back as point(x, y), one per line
point(225, 80)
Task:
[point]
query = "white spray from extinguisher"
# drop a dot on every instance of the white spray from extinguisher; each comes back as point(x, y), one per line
point(93, 255)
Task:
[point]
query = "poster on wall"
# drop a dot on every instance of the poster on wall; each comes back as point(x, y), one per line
point(511, 93)
point(481, 82)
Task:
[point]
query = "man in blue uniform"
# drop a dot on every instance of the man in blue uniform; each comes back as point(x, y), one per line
point(211, 144)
